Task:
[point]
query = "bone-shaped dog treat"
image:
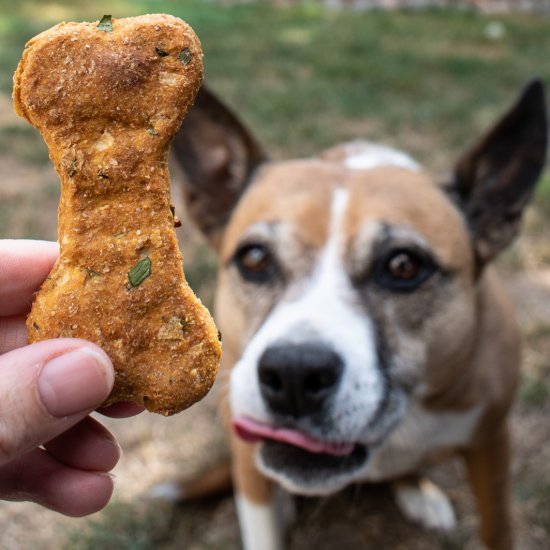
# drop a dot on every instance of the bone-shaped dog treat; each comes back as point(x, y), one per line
point(108, 99)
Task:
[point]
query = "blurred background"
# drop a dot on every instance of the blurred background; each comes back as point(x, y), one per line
point(424, 76)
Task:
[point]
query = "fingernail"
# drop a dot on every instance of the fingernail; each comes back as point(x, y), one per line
point(75, 382)
point(115, 444)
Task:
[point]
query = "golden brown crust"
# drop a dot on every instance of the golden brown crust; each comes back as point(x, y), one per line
point(107, 105)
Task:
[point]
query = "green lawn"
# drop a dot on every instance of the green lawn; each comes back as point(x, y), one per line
point(306, 77)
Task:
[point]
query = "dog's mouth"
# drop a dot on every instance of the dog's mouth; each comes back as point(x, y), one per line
point(299, 462)
point(253, 431)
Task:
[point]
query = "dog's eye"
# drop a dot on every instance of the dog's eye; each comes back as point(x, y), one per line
point(404, 270)
point(255, 263)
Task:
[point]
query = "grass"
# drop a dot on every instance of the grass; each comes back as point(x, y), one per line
point(200, 272)
point(418, 80)
point(131, 527)
point(538, 332)
point(536, 497)
point(147, 525)
point(21, 216)
point(23, 142)
point(542, 195)
point(534, 389)
point(542, 496)
point(533, 392)
point(454, 541)
point(537, 340)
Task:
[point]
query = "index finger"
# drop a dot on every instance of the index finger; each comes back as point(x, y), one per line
point(24, 265)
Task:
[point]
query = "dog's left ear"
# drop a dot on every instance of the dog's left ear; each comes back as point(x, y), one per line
point(218, 155)
point(494, 180)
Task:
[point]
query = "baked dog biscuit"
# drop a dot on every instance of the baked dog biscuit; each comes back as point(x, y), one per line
point(108, 98)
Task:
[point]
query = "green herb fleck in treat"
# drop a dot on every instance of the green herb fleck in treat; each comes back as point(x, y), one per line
point(161, 52)
point(152, 132)
point(185, 56)
point(106, 23)
point(140, 272)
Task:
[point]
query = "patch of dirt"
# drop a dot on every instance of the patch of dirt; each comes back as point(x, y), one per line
point(530, 292)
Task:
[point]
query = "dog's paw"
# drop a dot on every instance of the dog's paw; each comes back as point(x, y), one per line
point(168, 491)
point(426, 504)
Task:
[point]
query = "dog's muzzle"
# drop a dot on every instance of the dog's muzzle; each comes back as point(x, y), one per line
point(316, 407)
point(298, 383)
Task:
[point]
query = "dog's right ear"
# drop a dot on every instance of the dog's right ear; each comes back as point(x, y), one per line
point(218, 156)
point(495, 179)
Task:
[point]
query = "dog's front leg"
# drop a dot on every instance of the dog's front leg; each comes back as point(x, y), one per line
point(260, 516)
point(489, 471)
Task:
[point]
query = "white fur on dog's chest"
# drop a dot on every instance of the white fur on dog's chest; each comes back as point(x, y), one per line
point(421, 434)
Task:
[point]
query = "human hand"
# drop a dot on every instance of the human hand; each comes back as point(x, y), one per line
point(51, 451)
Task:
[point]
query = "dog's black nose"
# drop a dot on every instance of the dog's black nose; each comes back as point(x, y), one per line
point(297, 380)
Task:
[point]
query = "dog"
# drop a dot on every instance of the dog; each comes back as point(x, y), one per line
point(365, 330)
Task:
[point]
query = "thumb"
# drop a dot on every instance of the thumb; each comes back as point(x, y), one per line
point(46, 388)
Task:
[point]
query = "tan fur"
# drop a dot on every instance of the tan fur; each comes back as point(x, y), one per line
point(246, 477)
point(488, 469)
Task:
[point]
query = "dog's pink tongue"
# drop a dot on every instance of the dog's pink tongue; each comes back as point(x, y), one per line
point(253, 431)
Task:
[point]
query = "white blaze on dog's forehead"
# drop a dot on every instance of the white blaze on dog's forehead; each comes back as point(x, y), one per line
point(338, 210)
point(363, 155)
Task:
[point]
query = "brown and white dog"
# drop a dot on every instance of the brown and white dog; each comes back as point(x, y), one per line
point(366, 331)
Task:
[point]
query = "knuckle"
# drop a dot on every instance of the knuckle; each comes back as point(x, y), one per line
point(13, 440)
